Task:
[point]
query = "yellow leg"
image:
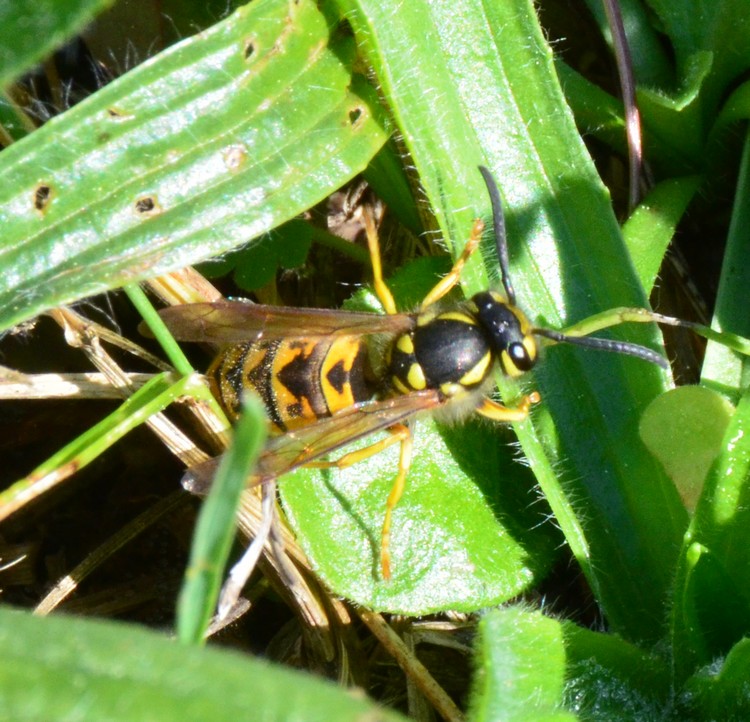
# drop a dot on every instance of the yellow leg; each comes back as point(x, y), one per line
point(381, 288)
point(446, 283)
point(397, 491)
point(399, 433)
point(354, 457)
point(497, 412)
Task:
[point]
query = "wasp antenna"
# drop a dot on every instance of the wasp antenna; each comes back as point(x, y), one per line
point(605, 344)
point(498, 225)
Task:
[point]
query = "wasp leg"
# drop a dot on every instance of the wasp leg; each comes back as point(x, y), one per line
point(355, 457)
point(381, 288)
point(497, 412)
point(445, 284)
point(397, 490)
point(399, 433)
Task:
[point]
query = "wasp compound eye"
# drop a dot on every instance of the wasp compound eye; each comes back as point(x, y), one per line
point(520, 357)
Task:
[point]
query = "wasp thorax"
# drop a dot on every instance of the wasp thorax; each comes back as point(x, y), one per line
point(508, 330)
point(448, 351)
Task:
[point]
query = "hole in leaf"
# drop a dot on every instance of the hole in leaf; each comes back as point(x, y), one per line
point(145, 205)
point(42, 196)
point(354, 115)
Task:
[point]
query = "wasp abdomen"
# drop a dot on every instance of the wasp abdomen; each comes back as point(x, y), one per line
point(298, 380)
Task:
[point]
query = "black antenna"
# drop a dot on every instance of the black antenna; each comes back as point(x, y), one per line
point(498, 225)
point(605, 344)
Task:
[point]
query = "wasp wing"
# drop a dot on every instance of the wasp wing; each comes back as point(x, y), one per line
point(301, 446)
point(227, 322)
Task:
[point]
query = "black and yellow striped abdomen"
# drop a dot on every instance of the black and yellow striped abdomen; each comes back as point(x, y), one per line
point(299, 380)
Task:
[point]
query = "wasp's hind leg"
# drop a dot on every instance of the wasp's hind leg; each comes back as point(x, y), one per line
point(397, 490)
point(400, 433)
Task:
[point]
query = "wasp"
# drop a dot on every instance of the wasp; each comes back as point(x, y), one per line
point(330, 377)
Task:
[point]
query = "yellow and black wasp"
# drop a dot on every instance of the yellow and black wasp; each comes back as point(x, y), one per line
point(330, 377)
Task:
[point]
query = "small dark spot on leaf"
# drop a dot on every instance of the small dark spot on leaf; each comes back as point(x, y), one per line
point(354, 115)
point(103, 137)
point(42, 195)
point(145, 205)
point(114, 113)
point(249, 49)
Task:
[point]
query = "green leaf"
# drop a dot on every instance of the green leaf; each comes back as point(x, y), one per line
point(531, 667)
point(285, 247)
point(674, 120)
point(89, 670)
point(724, 370)
point(651, 63)
point(215, 528)
point(723, 693)
point(463, 535)
point(712, 574)
point(649, 230)
point(201, 149)
point(521, 668)
point(609, 679)
point(718, 28)
point(49, 22)
point(684, 429)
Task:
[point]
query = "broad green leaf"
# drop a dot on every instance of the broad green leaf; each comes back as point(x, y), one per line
point(684, 429)
point(674, 120)
point(79, 669)
point(491, 73)
point(722, 693)
point(531, 667)
point(712, 574)
point(651, 63)
point(521, 668)
point(201, 149)
point(719, 28)
point(48, 22)
point(609, 679)
point(463, 534)
point(600, 115)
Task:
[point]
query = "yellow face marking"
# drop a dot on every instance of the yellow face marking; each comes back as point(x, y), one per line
point(416, 378)
point(405, 344)
point(529, 343)
point(476, 374)
point(509, 367)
